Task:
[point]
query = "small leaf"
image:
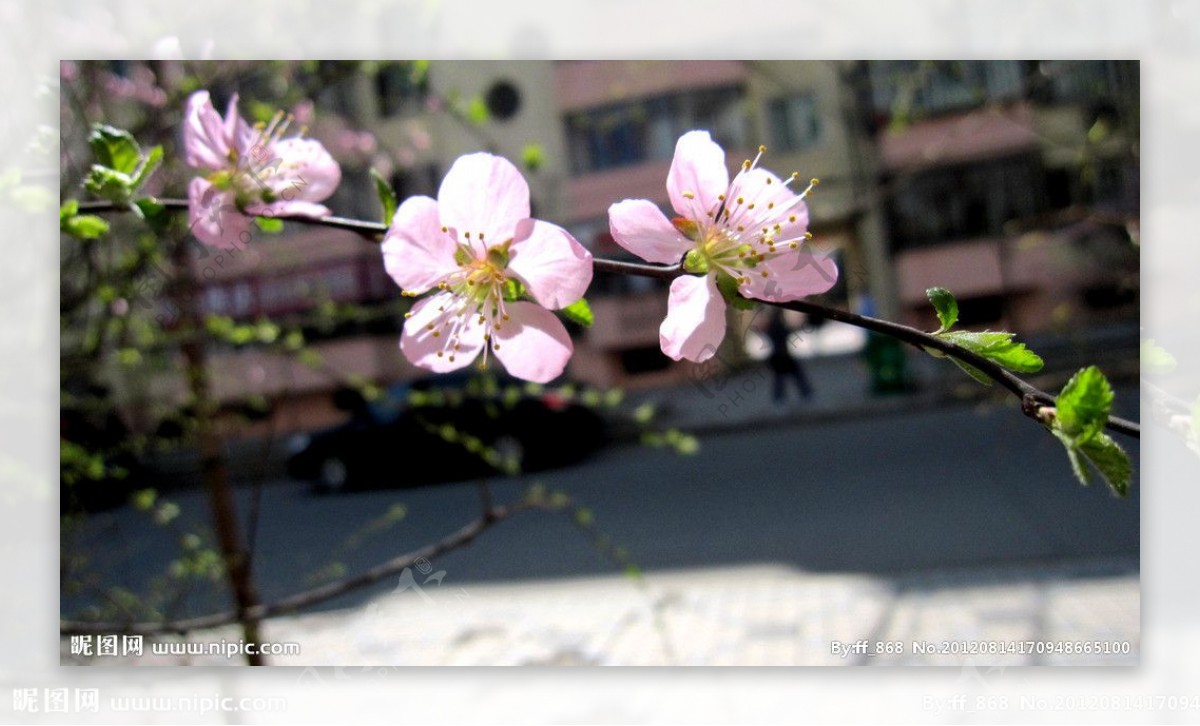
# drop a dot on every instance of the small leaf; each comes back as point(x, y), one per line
point(109, 184)
point(115, 148)
point(513, 290)
point(1104, 455)
point(579, 312)
point(387, 197)
point(153, 211)
point(1156, 360)
point(85, 226)
point(270, 225)
point(945, 305)
point(998, 347)
point(1111, 461)
point(729, 290)
point(68, 209)
point(972, 371)
point(1083, 405)
point(147, 167)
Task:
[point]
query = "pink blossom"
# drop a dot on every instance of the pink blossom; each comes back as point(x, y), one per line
point(477, 247)
point(747, 235)
point(250, 170)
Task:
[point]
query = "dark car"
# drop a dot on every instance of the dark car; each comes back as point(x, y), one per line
point(446, 428)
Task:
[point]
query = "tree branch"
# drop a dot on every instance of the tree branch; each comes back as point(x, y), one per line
point(491, 516)
point(1033, 400)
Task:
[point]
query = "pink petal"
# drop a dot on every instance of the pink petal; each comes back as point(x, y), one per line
point(483, 193)
point(794, 275)
point(553, 265)
point(695, 323)
point(416, 252)
point(214, 218)
point(532, 344)
point(237, 132)
point(639, 226)
point(204, 142)
point(697, 169)
point(421, 346)
point(304, 169)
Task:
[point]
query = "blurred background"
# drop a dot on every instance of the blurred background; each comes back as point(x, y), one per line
point(809, 485)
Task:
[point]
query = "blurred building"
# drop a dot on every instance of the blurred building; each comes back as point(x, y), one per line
point(1015, 183)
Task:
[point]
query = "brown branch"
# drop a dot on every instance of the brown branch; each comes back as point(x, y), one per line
point(307, 598)
point(1033, 400)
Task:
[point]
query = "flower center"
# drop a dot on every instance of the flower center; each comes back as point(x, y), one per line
point(479, 289)
point(751, 223)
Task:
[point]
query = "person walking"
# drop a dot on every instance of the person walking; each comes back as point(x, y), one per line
point(782, 363)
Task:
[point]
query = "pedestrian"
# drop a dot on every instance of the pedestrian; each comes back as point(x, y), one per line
point(782, 363)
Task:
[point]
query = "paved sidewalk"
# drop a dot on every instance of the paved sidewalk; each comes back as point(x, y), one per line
point(750, 615)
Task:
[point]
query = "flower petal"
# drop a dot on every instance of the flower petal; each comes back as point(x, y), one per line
point(695, 322)
point(416, 252)
point(214, 218)
point(553, 265)
point(304, 170)
point(698, 169)
point(204, 142)
point(238, 133)
point(532, 344)
point(439, 313)
point(794, 275)
point(483, 193)
point(639, 226)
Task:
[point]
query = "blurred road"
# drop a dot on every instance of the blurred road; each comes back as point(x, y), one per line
point(904, 493)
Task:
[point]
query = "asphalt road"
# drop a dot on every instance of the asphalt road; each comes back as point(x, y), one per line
point(951, 488)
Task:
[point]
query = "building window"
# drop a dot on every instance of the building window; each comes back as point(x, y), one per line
point(794, 122)
point(916, 89)
point(631, 133)
point(964, 202)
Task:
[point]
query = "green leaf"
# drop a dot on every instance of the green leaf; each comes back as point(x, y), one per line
point(729, 290)
point(513, 290)
point(1104, 455)
point(972, 371)
point(153, 211)
point(579, 312)
point(68, 209)
point(1083, 405)
point(945, 305)
point(147, 167)
point(998, 347)
point(1111, 461)
point(1156, 360)
point(109, 184)
point(85, 226)
point(387, 197)
point(115, 148)
point(270, 225)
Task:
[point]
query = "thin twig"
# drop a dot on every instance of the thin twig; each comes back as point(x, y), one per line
point(1033, 400)
point(308, 598)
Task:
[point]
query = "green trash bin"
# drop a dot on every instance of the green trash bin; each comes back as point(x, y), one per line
point(888, 363)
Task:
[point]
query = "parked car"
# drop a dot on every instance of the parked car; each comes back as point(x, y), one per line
point(446, 428)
